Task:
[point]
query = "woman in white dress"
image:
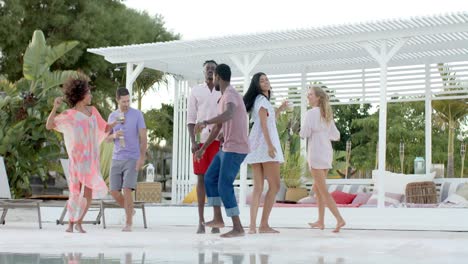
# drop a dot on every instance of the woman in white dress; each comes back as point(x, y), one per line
point(319, 129)
point(266, 154)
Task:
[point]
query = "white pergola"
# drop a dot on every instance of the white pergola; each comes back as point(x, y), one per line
point(368, 62)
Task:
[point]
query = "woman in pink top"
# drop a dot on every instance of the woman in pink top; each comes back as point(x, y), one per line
point(319, 129)
point(83, 129)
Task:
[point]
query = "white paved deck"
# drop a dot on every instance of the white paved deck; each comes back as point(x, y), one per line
point(179, 244)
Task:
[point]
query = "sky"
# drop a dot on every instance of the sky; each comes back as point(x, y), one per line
point(200, 19)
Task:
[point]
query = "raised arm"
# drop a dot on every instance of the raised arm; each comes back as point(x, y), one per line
point(306, 128)
point(50, 124)
point(110, 138)
point(281, 108)
point(334, 134)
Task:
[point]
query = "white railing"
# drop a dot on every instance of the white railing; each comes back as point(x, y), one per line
point(181, 161)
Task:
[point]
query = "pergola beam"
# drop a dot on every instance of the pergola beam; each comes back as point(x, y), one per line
point(132, 75)
point(115, 54)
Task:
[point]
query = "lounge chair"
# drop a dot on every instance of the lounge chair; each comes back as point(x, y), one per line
point(7, 203)
point(101, 205)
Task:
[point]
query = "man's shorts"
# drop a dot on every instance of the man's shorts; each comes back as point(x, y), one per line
point(200, 167)
point(123, 175)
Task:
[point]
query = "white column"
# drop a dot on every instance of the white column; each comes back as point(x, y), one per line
point(428, 116)
point(303, 108)
point(132, 74)
point(183, 139)
point(245, 65)
point(382, 57)
point(243, 168)
point(175, 145)
point(382, 134)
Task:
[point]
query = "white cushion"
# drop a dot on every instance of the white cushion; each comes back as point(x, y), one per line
point(456, 199)
point(347, 188)
point(449, 188)
point(396, 182)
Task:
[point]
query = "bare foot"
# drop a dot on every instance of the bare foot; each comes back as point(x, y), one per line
point(215, 224)
point(252, 230)
point(201, 229)
point(317, 225)
point(127, 228)
point(339, 225)
point(69, 229)
point(234, 233)
point(215, 230)
point(267, 230)
point(79, 228)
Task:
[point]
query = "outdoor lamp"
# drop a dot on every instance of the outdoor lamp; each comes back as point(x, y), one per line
point(402, 154)
point(462, 153)
point(348, 155)
point(150, 173)
point(348, 145)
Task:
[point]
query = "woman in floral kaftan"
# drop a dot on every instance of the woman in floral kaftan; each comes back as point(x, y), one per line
point(83, 129)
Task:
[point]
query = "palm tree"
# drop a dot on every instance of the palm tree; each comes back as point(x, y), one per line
point(451, 112)
point(146, 82)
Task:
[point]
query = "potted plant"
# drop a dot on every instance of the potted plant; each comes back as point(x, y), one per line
point(291, 171)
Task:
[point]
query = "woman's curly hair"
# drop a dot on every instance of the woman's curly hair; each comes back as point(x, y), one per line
point(75, 89)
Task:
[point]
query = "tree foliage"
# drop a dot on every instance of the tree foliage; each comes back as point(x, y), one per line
point(25, 144)
point(343, 116)
point(94, 23)
point(159, 123)
point(406, 123)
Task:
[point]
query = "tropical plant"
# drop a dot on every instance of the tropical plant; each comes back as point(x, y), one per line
point(292, 169)
point(338, 163)
point(25, 144)
point(451, 112)
point(289, 125)
point(159, 123)
point(146, 82)
point(105, 154)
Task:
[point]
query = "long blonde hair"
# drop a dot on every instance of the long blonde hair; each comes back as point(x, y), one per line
point(326, 112)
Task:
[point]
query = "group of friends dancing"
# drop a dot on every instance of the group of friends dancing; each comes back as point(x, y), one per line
point(217, 121)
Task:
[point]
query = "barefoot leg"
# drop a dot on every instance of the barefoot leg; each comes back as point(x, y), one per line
point(272, 174)
point(339, 225)
point(70, 227)
point(237, 229)
point(217, 221)
point(258, 180)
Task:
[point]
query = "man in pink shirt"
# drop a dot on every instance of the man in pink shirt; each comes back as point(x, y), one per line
point(220, 176)
point(202, 105)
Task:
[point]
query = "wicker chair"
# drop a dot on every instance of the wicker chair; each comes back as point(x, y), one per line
point(421, 192)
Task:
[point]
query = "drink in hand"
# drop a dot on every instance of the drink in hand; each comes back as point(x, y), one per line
point(122, 139)
point(121, 118)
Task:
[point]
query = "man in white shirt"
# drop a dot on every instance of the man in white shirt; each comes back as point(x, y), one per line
point(202, 105)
